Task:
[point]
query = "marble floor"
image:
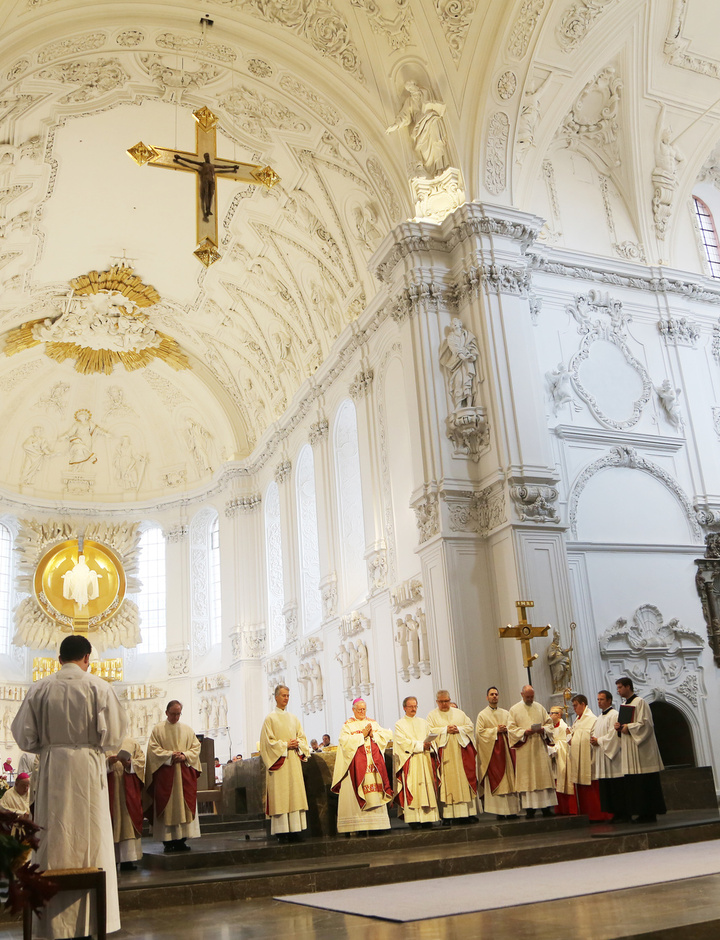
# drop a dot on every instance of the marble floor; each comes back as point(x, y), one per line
point(679, 909)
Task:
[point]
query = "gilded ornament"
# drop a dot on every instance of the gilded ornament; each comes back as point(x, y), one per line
point(207, 252)
point(102, 326)
point(143, 154)
point(79, 589)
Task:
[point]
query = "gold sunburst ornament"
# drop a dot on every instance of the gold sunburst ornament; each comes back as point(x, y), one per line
point(80, 588)
point(101, 326)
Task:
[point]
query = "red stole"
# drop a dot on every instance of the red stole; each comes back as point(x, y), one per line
point(162, 786)
point(133, 799)
point(358, 768)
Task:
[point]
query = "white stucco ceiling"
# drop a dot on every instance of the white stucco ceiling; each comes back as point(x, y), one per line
point(309, 88)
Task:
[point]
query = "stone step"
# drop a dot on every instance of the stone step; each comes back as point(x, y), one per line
point(264, 870)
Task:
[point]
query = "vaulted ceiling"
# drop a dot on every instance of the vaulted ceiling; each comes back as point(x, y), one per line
point(309, 88)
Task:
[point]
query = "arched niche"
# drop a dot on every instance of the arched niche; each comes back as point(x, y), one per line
point(673, 734)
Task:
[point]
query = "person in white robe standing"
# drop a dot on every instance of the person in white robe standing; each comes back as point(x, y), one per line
point(415, 768)
point(173, 766)
point(582, 761)
point(458, 759)
point(283, 748)
point(641, 761)
point(495, 759)
point(360, 777)
point(559, 734)
point(126, 776)
point(533, 770)
point(607, 757)
point(70, 719)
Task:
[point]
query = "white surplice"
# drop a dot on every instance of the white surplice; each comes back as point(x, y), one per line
point(286, 798)
point(409, 752)
point(456, 795)
point(607, 759)
point(71, 719)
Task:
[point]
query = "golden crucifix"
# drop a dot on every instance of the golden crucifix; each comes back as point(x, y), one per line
point(206, 165)
point(524, 632)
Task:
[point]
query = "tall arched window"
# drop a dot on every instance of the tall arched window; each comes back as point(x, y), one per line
point(6, 593)
point(152, 597)
point(215, 593)
point(350, 504)
point(709, 236)
point(274, 567)
point(205, 600)
point(308, 536)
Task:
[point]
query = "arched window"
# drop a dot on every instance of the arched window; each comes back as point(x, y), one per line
point(308, 536)
point(274, 567)
point(152, 597)
point(205, 601)
point(709, 236)
point(6, 592)
point(350, 503)
point(215, 592)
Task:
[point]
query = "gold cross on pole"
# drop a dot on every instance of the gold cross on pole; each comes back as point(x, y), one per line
point(206, 165)
point(524, 632)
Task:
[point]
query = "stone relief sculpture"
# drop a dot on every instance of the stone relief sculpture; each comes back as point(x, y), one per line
point(222, 712)
point(424, 117)
point(55, 399)
point(467, 422)
point(198, 440)
point(365, 220)
point(204, 714)
point(401, 638)
point(559, 387)
point(669, 402)
point(528, 119)
point(665, 175)
point(36, 449)
point(129, 466)
point(80, 438)
point(106, 320)
point(343, 657)
point(174, 82)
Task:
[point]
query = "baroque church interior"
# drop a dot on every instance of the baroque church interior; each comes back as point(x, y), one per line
point(449, 340)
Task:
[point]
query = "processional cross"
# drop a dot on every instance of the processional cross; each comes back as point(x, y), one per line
point(524, 632)
point(206, 166)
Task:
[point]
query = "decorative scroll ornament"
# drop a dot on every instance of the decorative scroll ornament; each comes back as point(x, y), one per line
point(591, 127)
point(577, 21)
point(438, 197)
point(664, 175)
point(679, 331)
point(102, 325)
point(597, 330)
point(659, 656)
point(534, 503)
point(77, 585)
point(455, 17)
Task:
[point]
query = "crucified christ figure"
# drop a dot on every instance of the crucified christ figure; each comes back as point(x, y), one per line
point(207, 170)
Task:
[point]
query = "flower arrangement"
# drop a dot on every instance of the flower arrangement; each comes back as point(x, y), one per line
point(4, 785)
point(21, 883)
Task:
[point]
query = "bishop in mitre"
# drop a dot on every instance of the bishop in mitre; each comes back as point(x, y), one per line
point(360, 776)
point(17, 798)
point(283, 749)
point(172, 769)
point(415, 768)
point(126, 776)
point(533, 770)
point(495, 759)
